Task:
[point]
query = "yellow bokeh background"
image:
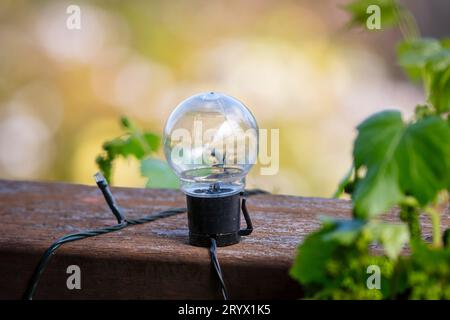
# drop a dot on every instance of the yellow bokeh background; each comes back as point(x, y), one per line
point(293, 63)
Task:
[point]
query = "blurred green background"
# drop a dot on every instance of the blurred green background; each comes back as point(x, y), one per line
point(295, 64)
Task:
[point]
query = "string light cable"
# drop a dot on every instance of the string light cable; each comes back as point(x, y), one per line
point(122, 223)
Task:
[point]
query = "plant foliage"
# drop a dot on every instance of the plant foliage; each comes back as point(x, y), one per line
point(140, 145)
point(395, 163)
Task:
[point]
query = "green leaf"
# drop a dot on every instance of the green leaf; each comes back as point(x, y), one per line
point(399, 160)
point(413, 55)
point(429, 60)
point(437, 82)
point(126, 123)
point(344, 232)
point(389, 12)
point(312, 257)
point(104, 164)
point(332, 262)
point(133, 143)
point(319, 248)
point(423, 155)
point(125, 146)
point(416, 52)
point(152, 140)
point(159, 174)
point(391, 236)
point(374, 149)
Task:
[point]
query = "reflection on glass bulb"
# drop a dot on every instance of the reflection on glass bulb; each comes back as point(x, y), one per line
point(211, 143)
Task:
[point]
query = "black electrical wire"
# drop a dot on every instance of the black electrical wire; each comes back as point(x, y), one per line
point(217, 269)
point(103, 185)
point(247, 231)
point(122, 223)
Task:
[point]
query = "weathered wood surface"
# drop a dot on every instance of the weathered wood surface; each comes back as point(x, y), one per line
point(150, 261)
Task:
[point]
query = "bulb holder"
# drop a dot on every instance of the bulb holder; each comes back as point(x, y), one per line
point(218, 218)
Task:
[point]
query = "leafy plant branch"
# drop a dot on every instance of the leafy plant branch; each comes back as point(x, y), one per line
point(395, 163)
point(142, 145)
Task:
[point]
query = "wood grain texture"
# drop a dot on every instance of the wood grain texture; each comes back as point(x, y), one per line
point(150, 261)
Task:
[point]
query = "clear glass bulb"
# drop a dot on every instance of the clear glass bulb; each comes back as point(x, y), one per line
point(211, 143)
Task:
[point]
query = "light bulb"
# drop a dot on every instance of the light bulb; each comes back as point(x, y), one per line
point(211, 143)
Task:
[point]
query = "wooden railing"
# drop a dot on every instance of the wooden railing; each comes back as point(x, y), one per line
point(153, 260)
